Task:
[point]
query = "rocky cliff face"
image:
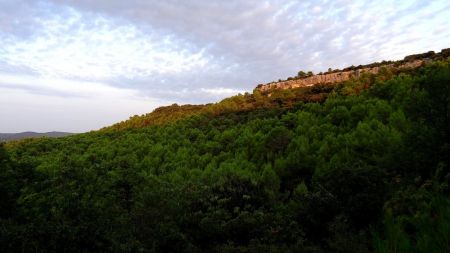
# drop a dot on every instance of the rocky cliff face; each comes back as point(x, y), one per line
point(336, 77)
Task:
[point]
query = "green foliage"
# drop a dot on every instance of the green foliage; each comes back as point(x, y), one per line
point(301, 73)
point(357, 167)
point(425, 227)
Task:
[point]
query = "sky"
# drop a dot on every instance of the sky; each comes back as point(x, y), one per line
point(79, 65)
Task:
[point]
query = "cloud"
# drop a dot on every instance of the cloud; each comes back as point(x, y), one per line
point(200, 51)
point(64, 87)
point(221, 91)
point(274, 38)
point(98, 50)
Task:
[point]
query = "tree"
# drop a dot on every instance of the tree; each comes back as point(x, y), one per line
point(301, 73)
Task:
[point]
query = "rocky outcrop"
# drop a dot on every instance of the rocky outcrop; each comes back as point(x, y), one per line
point(333, 77)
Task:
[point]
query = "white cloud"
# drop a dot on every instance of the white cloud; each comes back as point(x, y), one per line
point(95, 48)
point(65, 87)
point(221, 91)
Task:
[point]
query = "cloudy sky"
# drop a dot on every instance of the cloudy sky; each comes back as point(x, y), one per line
point(81, 65)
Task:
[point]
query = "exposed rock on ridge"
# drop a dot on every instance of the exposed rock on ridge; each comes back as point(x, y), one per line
point(412, 61)
point(331, 77)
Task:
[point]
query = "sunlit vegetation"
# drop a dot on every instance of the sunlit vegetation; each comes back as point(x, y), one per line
point(362, 166)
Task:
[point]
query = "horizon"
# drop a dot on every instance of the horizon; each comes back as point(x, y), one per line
point(80, 66)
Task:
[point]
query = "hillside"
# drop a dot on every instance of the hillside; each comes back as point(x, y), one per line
point(23, 135)
point(354, 166)
point(286, 93)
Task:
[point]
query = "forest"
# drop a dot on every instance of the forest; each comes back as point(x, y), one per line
point(361, 166)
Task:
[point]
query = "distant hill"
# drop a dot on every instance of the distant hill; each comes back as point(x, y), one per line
point(23, 135)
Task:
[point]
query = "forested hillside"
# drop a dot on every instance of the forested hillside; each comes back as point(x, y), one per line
point(362, 166)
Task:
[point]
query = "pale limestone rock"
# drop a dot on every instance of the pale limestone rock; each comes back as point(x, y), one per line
point(332, 77)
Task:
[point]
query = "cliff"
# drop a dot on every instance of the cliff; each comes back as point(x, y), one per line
point(411, 61)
